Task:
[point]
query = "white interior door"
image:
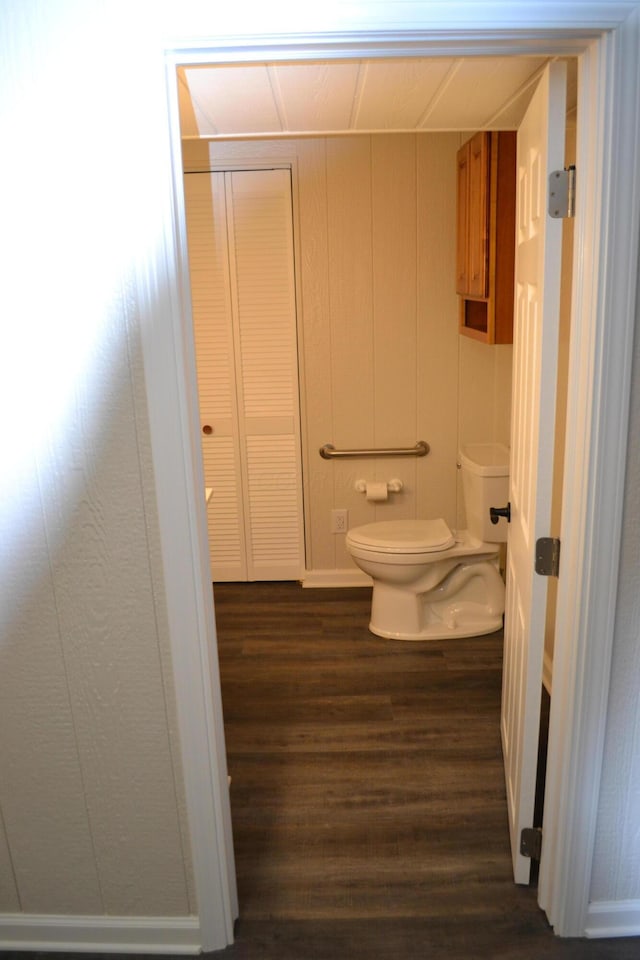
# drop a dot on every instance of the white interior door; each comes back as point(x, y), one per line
point(537, 302)
point(241, 262)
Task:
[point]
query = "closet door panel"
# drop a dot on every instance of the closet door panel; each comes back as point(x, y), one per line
point(275, 534)
point(224, 512)
point(212, 320)
point(261, 260)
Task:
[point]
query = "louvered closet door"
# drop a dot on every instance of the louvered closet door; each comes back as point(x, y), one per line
point(213, 332)
point(243, 293)
point(264, 307)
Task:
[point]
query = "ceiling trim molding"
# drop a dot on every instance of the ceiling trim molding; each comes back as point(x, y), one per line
point(410, 44)
point(429, 26)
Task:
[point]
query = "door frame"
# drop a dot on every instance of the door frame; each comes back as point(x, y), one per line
point(604, 36)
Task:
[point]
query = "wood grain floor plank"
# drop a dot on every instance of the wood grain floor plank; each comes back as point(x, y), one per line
point(368, 791)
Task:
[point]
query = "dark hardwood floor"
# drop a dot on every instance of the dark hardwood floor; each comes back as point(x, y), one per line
point(367, 791)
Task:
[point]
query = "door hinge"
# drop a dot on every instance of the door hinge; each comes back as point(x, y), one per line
point(531, 842)
point(562, 193)
point(548, 556)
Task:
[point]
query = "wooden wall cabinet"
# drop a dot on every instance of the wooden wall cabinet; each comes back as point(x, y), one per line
point(485, 255)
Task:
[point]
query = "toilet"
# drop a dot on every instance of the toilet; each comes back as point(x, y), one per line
point(430, 583)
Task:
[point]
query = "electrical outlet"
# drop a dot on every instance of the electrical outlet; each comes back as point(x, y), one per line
point(339, 521)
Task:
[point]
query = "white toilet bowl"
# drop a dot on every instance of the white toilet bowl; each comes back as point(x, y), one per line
point(429, 583)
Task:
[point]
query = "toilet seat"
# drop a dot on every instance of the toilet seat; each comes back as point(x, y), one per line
point(413, 537)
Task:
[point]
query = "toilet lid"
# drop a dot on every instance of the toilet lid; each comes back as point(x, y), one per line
point(403, 536)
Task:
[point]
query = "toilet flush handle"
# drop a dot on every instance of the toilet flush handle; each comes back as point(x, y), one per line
point(496, 512)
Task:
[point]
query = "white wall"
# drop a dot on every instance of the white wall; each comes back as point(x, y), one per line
point(91, 790)
point(90, 762)
point(616, 874)
point(381, 360)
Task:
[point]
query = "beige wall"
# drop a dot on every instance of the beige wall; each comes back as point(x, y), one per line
point(381, 360)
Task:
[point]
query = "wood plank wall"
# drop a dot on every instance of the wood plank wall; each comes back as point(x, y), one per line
point(381, 360)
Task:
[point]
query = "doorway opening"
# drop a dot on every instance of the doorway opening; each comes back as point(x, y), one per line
point(244, 147)
point(603, 285)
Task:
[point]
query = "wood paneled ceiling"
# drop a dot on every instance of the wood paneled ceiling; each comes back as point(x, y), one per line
point(284, 99)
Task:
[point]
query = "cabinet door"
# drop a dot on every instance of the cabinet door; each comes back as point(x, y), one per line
point(478, 216)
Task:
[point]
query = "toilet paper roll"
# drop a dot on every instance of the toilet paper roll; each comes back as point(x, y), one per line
point(376, 492)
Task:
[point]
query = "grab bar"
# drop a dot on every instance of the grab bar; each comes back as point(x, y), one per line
point(421, 449)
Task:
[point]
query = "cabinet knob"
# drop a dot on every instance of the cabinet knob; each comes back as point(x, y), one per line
point(207, 430)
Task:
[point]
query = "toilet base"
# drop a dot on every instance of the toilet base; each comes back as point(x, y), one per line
point(469, 602)
point(437, 631)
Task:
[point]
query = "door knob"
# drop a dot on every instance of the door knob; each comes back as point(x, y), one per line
point(496, 512)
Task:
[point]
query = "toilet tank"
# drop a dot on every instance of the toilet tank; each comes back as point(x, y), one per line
point(485, 483)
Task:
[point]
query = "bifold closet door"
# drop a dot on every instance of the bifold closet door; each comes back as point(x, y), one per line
point(243, 295)
point(213, 332)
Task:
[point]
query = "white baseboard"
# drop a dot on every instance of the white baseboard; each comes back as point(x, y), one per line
point(615, 918)
point(336, 578)
point(69, 934)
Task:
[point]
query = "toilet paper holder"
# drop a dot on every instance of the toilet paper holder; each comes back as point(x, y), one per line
point(393, 486)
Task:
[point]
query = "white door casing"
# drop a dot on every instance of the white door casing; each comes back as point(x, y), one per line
point(604, 284)
point(536, 318)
